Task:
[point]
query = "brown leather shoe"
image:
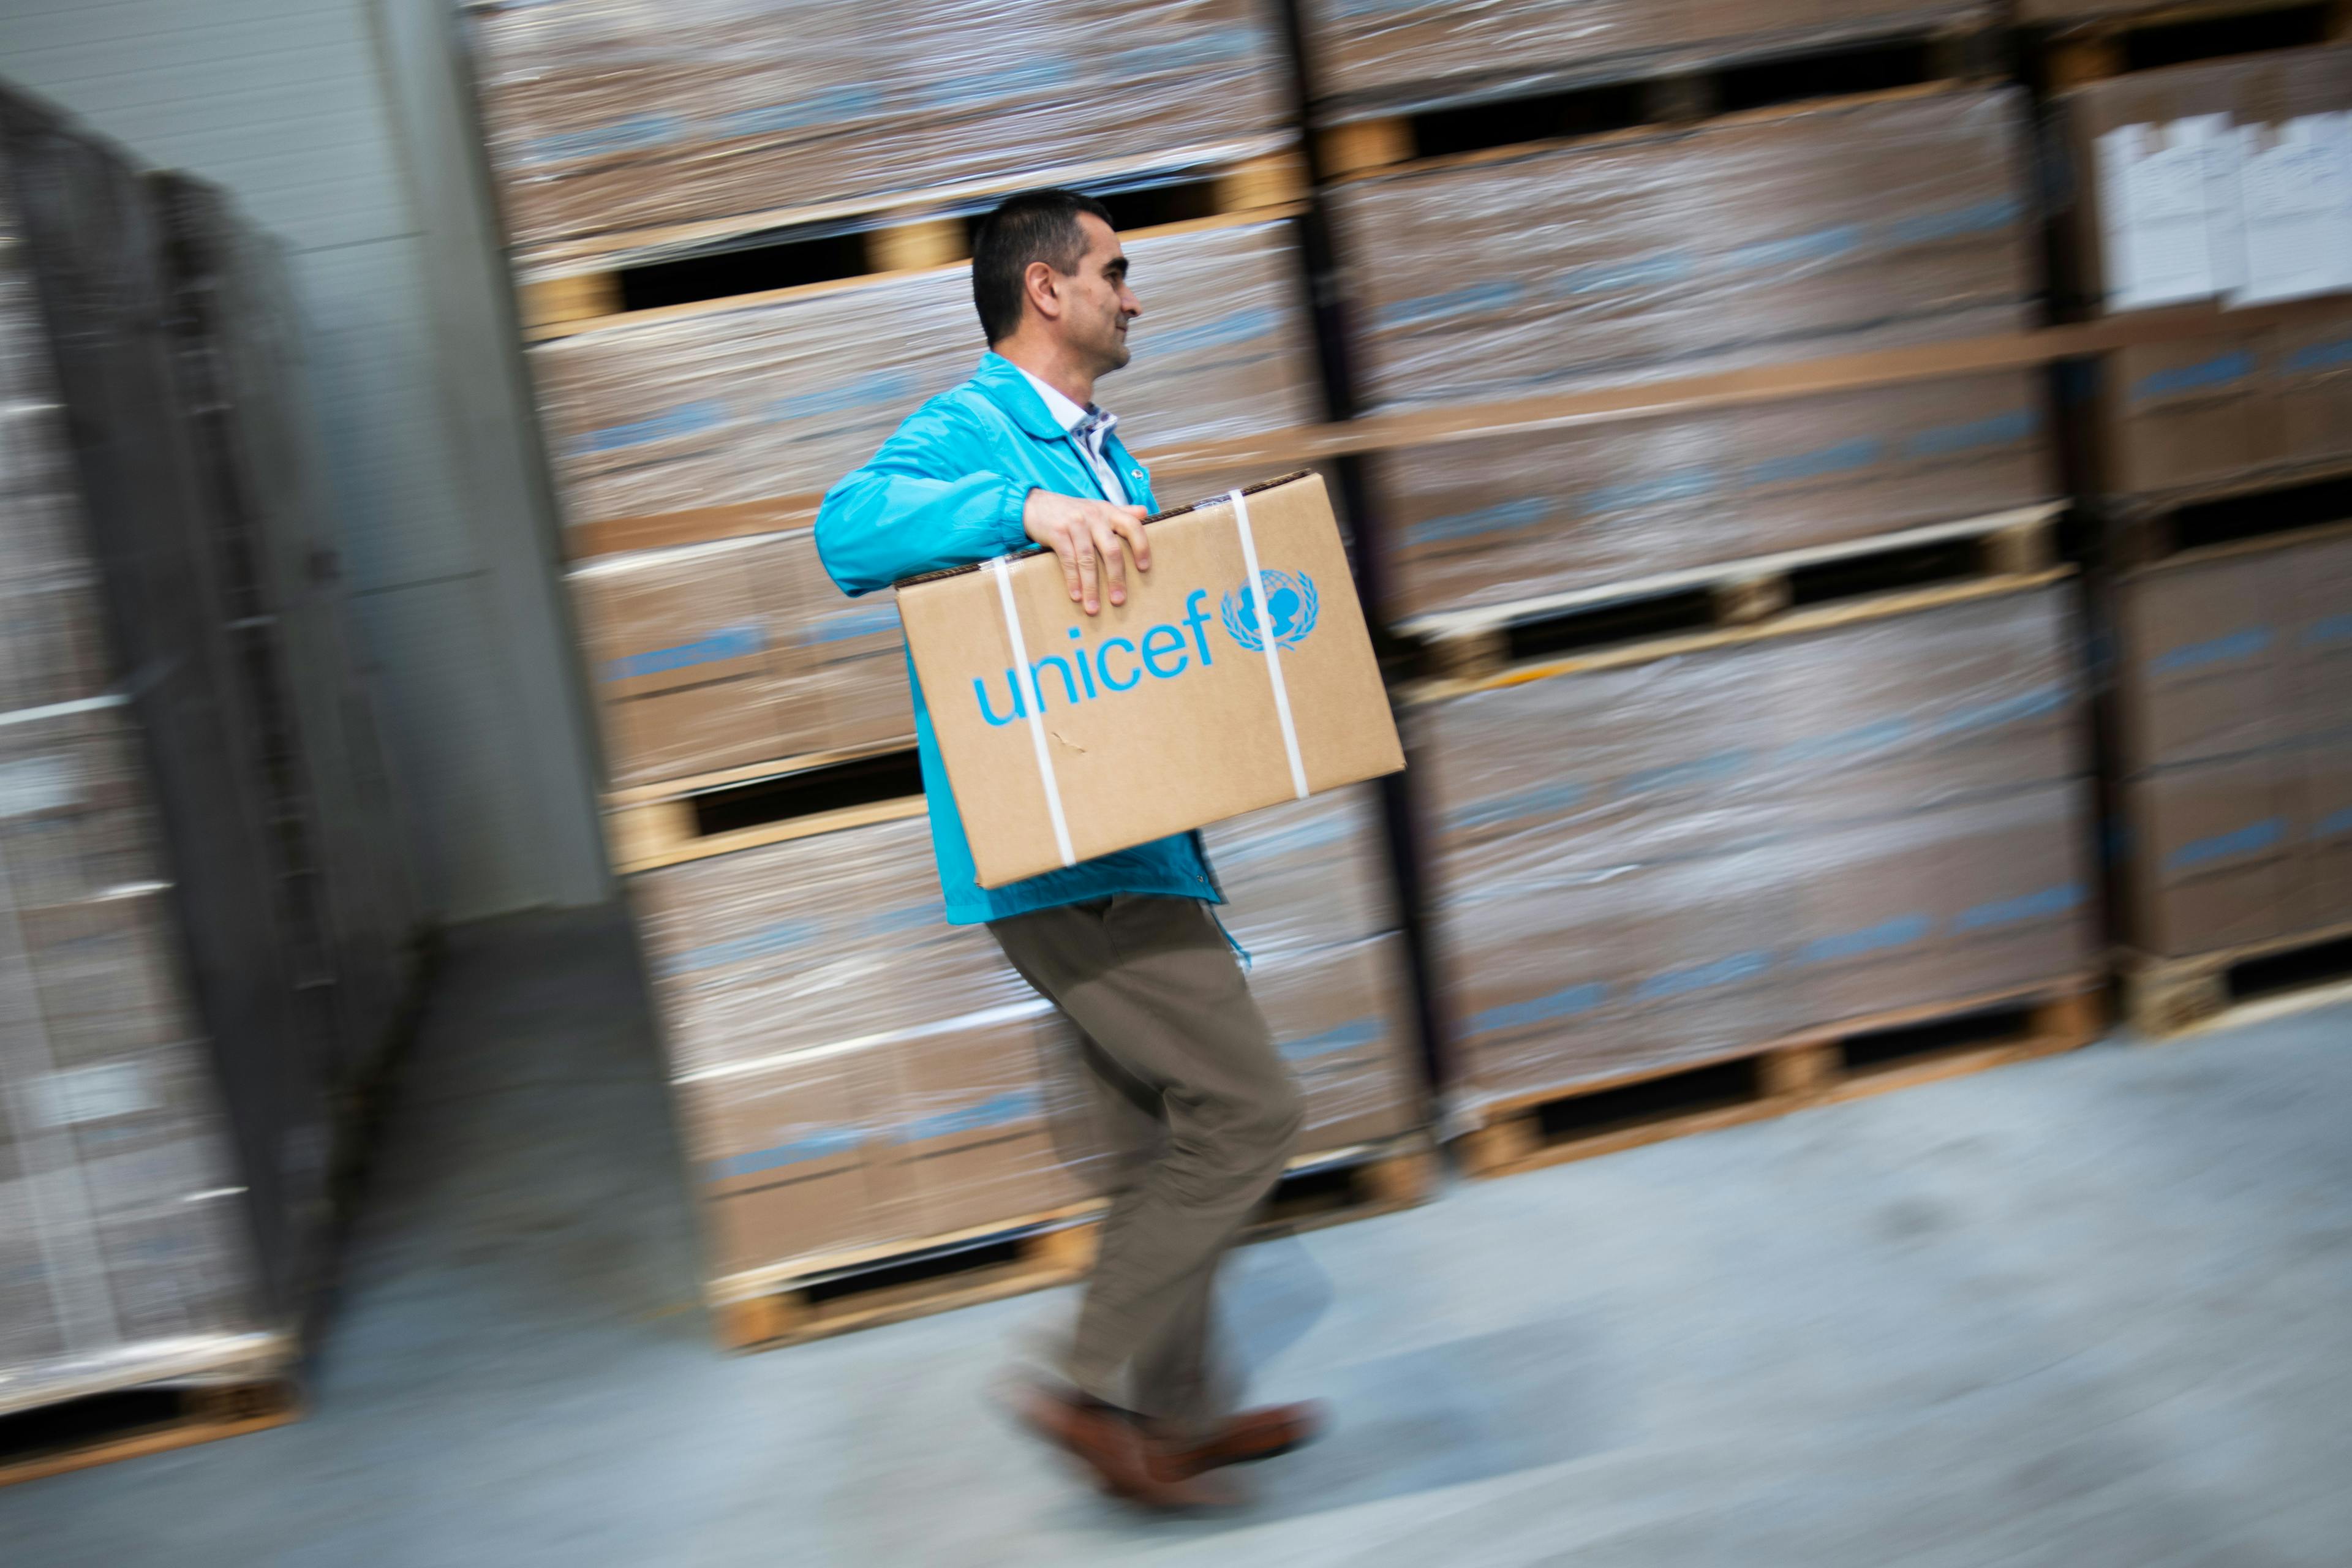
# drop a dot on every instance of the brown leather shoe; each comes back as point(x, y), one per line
point(1110, 1444)
point(1252, 1435)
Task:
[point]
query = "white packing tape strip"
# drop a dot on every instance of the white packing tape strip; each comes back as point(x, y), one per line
point(1034, 699)
point(1273, 648)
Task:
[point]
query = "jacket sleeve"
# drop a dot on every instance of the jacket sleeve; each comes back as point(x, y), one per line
point(918, 506)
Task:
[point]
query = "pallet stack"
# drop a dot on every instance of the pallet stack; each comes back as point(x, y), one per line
point(178, 1005)
point(2221, 468)
point(1712, 866)
point(738, 247)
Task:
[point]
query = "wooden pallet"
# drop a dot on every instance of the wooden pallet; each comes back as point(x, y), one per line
point(786, 258)
point(2125, 38)
point(2277, 508)
point(1657, 90)
point(1864, 1056)
point(836, 1295)
point(103, 1428)
point(2168, 996)
point(1749, 594)
point(652, 825)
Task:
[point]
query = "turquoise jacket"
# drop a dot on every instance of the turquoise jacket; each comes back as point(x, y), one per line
point(947, 490)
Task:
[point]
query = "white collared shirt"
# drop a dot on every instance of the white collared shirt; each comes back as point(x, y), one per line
point(1092, 427)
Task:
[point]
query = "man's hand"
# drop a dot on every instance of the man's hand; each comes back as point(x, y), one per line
point(1085, 535)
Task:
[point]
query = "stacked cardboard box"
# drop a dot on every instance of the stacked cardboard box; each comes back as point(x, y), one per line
point(1657, 859)
point(2222, 181)
point(610, 118)
point(716, 655)
point(164, 1149)
point(2236, 743)
point(1842, 226)
point(1370, 54)
point(854, 1073)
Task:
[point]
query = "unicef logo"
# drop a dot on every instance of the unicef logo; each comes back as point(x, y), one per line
point(1290, 603)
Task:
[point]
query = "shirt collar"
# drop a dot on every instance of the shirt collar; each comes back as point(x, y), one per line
point(1068, 415)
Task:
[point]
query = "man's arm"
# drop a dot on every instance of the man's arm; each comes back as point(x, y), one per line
point(900, 515)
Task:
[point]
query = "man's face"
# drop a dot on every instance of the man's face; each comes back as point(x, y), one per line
point(1097, 304)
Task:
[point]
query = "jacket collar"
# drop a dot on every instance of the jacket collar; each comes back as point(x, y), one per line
point(1000, 381)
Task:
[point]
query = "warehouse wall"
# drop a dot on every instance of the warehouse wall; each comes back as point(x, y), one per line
point(337, 124)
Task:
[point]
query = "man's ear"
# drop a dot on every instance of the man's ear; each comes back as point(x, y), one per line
point(1043, 290)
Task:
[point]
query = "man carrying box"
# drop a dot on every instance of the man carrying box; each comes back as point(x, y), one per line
point(1201, 1109)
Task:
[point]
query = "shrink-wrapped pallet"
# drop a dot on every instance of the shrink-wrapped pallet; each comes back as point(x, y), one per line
point(611, 120)
point(1654, 860)
point(2263, 220)
point(1369, 56)
point(854, 1075)
point(165, 1147)
point(1495, 523)
point(737, 404)
point(1840, 226)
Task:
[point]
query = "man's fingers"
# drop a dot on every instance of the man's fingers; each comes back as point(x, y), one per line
point(1068, 555)
point(1131, 529)
point(1114, 563)
point(1088, 576)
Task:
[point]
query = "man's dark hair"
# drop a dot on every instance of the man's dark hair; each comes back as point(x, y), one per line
point(1035, 225)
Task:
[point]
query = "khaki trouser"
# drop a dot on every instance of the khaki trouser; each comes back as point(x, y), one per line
point(1199, 1113)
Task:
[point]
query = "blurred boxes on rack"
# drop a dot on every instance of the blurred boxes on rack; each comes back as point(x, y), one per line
point(851, 1070)
point(2235, 743)
point(1793, 234)
point(1647, 860)
point(611, 120)
point(1422, 54)
point(2229, 405)
point(773, 400)
point(1844, 225)
point(1489, 522)
point(1312, 902)
point(854, 1075)
point(164, 1199)
point(2223, 181)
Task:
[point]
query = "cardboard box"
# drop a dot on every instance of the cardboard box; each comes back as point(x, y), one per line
point(2230, 113)
point(2208, 660)
point(1160, 715)
point(1944, 905)
point(2187, 413)
point(716, 655)
point(2216, 856)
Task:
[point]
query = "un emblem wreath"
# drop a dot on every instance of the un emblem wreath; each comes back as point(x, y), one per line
point(1291, 603)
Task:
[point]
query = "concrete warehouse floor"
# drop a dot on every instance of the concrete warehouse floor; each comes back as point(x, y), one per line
point(2091, 1310)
